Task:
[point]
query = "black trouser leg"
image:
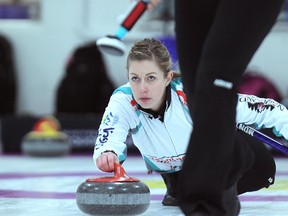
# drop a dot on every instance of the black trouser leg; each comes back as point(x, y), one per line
point(262, 173)
point(215, 39)
point(171, 196)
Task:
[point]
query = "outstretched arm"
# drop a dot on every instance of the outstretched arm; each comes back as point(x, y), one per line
point(264, 113)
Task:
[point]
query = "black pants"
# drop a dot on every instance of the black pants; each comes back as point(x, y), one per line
point(215, 40)
point(262, 172)
point(260, 175)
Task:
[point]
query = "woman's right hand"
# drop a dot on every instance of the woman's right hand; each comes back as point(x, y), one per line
point(105, 162)
point(152, 4)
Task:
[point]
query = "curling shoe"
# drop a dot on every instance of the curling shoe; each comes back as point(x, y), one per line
point(170, 201)
point(231, 204)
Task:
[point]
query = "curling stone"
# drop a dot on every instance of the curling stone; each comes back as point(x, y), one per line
point(46, 139)
point(118, 195)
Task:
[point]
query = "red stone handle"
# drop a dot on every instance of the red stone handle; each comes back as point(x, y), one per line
point(119, 176)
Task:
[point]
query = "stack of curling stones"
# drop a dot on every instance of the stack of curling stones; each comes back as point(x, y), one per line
point(46, 139)
point(118, 195)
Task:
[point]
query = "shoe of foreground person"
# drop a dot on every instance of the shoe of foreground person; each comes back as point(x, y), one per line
point(231, 204)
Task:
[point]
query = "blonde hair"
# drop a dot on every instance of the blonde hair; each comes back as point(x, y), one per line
point(154, 50)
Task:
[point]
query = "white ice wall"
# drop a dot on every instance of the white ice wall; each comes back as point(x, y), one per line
point(43, 47)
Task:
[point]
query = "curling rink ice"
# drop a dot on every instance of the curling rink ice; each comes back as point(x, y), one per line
point(47, 186)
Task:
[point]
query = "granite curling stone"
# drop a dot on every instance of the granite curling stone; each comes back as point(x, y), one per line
point(118, 195)
point(46, 139)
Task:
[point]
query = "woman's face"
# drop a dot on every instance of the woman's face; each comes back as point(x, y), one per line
point(148, 83)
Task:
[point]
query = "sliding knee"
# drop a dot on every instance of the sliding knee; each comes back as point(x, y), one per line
point(170, 180)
